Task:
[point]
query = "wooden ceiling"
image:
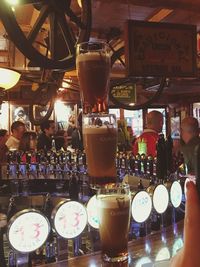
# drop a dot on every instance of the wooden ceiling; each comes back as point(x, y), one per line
point(108, 18)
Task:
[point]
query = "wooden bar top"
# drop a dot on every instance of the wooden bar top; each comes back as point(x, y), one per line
point(160, 245)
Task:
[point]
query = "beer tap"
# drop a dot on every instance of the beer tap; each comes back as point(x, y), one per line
point(132, 163)
point(161, 168)
point(8, 165)
point(137, 164)
point(140, 185)
point(143, 165)
point(50, 243)
point(38, 162)
point(169, 148)
point(12, 209)
point(149, 169)
point(73, 187)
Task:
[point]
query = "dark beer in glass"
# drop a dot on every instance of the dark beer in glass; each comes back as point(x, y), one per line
point(93, 70)
point(100, 144)
point(113, 204)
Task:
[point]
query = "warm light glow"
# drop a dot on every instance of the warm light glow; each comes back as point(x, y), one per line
point(12, 2)
point(160, 15)
point(62, 111)
point(66, 83)
point(8, 78)
point(132, 104)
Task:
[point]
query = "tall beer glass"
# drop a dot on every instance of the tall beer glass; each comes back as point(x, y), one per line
point(113, 203)
point(100, 143)
point(93, 70)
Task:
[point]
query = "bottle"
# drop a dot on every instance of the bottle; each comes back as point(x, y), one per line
point(140, 185)
point(53, 145)
point(161, 167)
point(12, 209)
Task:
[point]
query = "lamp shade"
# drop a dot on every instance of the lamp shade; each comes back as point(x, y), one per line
point(8, 78)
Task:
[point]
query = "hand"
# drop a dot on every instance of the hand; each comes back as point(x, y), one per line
point(189, 255)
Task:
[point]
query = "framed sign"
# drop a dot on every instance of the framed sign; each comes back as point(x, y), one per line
point(21, 113)
point(160, 49)
point(124, 92)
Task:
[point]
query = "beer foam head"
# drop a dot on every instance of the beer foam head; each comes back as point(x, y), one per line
point(92, 56)
point(114, 201)
point(99, 130)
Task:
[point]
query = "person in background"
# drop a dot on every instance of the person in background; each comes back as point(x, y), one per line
point(146, 142)
point(17, 129)
point(77, 137)
point(189, 139)
point(28, 143)
point(131, 137)
point(45, 138)
point(3, 148)
point(61, 140)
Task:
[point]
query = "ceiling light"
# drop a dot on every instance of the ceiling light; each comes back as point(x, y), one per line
point(8, 78)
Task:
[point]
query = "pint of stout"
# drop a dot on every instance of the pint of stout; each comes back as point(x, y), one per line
point(113, 205)
point(100, 143)
point(93, 69)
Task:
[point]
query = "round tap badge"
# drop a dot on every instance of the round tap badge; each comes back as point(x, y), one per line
point(160, 198)
point(70, 219)
point(92, 212)
point(28, 230)
point(176, 194)
point(141, 206)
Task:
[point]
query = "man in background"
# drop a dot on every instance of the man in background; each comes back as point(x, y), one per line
point(146, 142)
point(189, 139)
point(45, 138)
point(17, 130)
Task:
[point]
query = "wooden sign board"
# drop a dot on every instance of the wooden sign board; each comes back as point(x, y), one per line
point(160, 49)
point(125, 92)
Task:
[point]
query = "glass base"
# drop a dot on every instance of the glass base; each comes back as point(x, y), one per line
point(120, 258)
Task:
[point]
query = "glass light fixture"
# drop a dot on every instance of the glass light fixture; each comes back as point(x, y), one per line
point(8, 78)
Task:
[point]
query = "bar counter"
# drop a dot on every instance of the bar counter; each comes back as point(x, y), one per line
point(160, 245)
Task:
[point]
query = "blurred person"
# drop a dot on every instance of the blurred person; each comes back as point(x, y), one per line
point(61, 140)
point(131, 137)
point(3, 152)
point(189, 139)
point(77, 136)
point(146, 142)
point(189, 255)
point(45, 138)
point(3, 148)
point(17, 130)
point(122, 136)
point(28, 141)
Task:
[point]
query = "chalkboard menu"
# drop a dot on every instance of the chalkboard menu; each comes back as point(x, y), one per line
point(160, 49)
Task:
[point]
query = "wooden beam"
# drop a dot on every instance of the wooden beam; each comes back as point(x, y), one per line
point(169, 4)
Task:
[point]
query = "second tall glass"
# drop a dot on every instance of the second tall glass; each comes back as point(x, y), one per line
point(100, 143)
point(93, 69)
